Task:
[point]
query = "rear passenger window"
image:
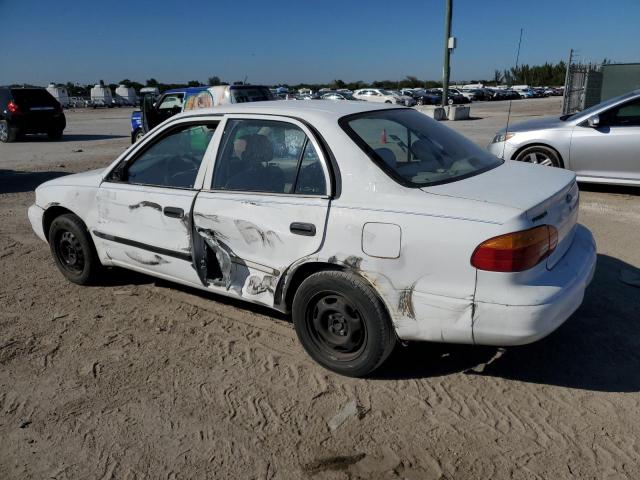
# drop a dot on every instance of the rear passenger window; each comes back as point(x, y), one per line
point(267, 156)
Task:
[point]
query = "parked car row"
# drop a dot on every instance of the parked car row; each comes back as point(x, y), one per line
point(86, 102)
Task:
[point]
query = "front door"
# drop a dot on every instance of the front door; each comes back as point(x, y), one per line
point(612, 149)
point(262, 208)
point(144, 205)
point(154, 113)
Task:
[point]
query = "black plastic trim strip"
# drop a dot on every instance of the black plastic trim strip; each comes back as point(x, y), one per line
point(132, 243)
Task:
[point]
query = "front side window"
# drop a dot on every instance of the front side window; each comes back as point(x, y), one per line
point(627, 115)
point(170, 102)
point(415, 150)
point(173, 160)
point(267, 156)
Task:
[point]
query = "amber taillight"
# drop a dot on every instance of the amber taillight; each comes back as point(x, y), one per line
point(517, 251)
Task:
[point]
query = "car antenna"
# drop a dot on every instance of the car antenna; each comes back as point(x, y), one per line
point(506, 128)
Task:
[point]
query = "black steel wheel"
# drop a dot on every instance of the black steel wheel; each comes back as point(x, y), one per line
point(341, 323)
point(69, 250)
point(336, 325)
point(73, 250)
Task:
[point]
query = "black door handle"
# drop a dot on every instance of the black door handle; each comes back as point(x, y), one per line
point(173, 212)
point(306, 229)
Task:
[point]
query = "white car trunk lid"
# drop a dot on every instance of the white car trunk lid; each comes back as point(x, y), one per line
point(548, 196)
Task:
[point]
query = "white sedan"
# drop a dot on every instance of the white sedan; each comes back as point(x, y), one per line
point(381, 95)
point(368, 223)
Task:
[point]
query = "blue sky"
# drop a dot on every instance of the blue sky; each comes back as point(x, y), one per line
point(295, 41)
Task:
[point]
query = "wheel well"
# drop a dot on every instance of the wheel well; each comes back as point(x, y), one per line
point(303, 272)
point(299, 275)
point(50, 215)
point(517, 152)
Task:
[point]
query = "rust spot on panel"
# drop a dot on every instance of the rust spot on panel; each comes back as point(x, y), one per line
point(405, 302)
point(155, 259)
point(145, 203)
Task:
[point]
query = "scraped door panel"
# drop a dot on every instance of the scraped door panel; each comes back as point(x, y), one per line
point(252, 240)
point(135, 230)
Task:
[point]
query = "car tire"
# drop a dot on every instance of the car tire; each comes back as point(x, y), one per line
point(388, 101)
point(540, 155)
point(7, 134)
point(342, 324)
point(137, 136)
point(54, 134)
point(73, 250)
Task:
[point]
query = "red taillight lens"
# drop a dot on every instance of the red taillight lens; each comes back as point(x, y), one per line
point(12, 107)
point(517, 251)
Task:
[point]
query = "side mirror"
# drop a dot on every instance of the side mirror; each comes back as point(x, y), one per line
point(593, 122)
point(118, 174)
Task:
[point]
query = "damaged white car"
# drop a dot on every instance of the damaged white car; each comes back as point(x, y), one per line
point(368, 223)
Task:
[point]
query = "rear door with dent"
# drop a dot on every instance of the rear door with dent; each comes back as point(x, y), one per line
point(263, 206)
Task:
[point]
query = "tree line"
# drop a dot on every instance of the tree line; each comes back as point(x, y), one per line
point(549, 74)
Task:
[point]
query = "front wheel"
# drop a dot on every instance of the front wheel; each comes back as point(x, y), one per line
point(138, 135)
point(73, 250)
point(540, 155)
point(342, 324)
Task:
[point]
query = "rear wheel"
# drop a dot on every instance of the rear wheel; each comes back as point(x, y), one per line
point(342, 324)
point(7, 134)
point(540, 155)
point(73, 250)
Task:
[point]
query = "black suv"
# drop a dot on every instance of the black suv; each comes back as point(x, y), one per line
point(29, 110)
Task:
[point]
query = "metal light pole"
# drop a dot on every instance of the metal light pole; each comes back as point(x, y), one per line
point(447, 52)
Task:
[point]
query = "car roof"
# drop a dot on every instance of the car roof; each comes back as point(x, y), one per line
point(186, 90)
point(319, 109)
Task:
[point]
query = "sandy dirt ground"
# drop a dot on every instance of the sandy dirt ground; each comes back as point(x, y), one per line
point(142, 379)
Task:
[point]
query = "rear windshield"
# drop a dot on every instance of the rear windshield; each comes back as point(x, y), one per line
point(27, 97)
point(414, 149)
point(250, 94)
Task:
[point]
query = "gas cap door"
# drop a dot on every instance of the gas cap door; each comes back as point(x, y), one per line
point(381, 240)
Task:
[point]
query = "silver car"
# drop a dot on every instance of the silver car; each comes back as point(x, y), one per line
point(601, 144)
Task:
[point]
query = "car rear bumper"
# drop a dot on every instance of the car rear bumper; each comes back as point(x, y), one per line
point(529, 316)
point(35, 214)
point(38, 123)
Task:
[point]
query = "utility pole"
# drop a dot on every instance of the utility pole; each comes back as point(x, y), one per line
point(567, 87)
point(447, 51)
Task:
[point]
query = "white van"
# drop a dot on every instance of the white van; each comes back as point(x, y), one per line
point(59, 93)
point(101, 96)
